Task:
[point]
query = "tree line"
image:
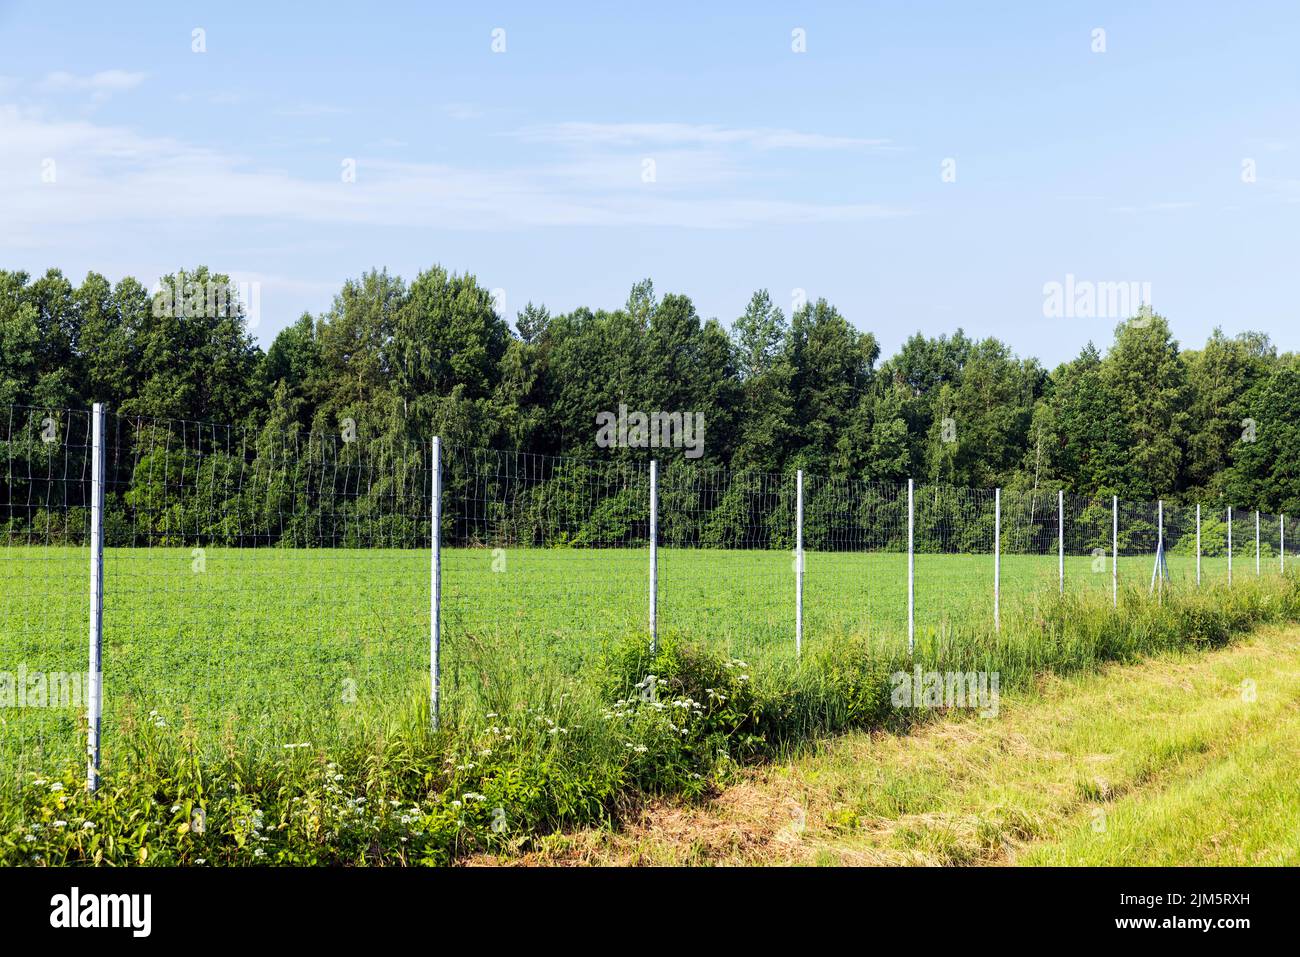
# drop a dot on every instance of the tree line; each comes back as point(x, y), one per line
point(1142, 417)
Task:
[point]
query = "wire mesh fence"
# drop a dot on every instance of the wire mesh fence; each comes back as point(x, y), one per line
point(1180, 543)
point(256, 583)
point(541, 554)
point(44, 599)
point(725, 558)
point(953, 559)
point(855, 559)
point(1029, 546)
point(1089, 529)
point(272, 585)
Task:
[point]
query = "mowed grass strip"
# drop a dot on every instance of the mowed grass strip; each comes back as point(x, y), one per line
point(1186, 759)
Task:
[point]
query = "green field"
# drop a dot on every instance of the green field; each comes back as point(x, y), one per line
point(278, 645)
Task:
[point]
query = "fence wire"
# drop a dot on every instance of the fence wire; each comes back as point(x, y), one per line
point(272, 585)
point(954, 559)
point(45, 455)
point(726, 558)
point(541, 556)
point(855, 560)
point(1029, 546)
point(260, 585)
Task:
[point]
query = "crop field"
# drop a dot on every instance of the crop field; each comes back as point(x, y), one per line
point(280, 646)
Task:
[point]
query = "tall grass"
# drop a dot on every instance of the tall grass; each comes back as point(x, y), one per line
point(524, 750)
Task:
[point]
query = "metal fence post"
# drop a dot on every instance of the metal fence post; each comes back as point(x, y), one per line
point(1060, 538)
point(798, 564)
point(435, 587)
point(1282, 541)
point(1160, 548)
point(997, 559)
point(1256, 543)
point(1114, 551)
point(1198, 544)
point(654, 556)
point(1230, 545)
point(95, 692)
point(911, 569)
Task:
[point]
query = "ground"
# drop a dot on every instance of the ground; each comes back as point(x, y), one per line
point(1185, 759)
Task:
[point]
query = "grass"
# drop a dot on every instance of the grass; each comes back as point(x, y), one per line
point(227, 689)
point(283, 645)
point(1184, 759)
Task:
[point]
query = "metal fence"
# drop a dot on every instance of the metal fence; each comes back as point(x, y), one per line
point(258, 584)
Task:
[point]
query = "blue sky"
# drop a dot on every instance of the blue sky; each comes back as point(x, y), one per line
point(817, 171)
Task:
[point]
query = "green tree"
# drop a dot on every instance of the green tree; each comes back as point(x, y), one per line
point(1079, 437)
point(19, 340)
point(1146, 378)
point(294, 361)
point(1219, 378)
point(832, 366)
point(765, 426)
point(354, 378)
point(195, 358)
point(1265, 470)
point(919, 371)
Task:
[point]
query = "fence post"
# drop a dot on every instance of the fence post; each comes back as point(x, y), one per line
point(997, 559)
point(1282, 542)
point(1229, 544)
point(435, 587)
point(1060, 538)
point(911, 569)
point(1256, 542)
point(1160, 548)
point(1198, 544)
point(798, 564)
point(1114, 553)
point(654, 556)
point(95, 693)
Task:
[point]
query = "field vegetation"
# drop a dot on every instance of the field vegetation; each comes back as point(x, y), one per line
point(1182, 759)
point(529, 744)
point(279, 645)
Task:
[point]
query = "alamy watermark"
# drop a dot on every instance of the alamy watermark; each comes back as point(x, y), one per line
point(946, 689)
point(44, 689)
point(209, 300)
point(133, 912)
point(1085, 299)
point(651, 430)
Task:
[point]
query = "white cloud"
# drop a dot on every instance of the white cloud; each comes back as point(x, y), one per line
point(1287, 189)
point(1167, 207)
point(311, 109)
point(320, 288)
point(100, 85)
point(686, 134)
point(1269, 145)
point(461, 111)
point(675, 170)
point(111, 176)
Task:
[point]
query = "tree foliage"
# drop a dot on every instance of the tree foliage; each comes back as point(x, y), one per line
point(402, 362)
